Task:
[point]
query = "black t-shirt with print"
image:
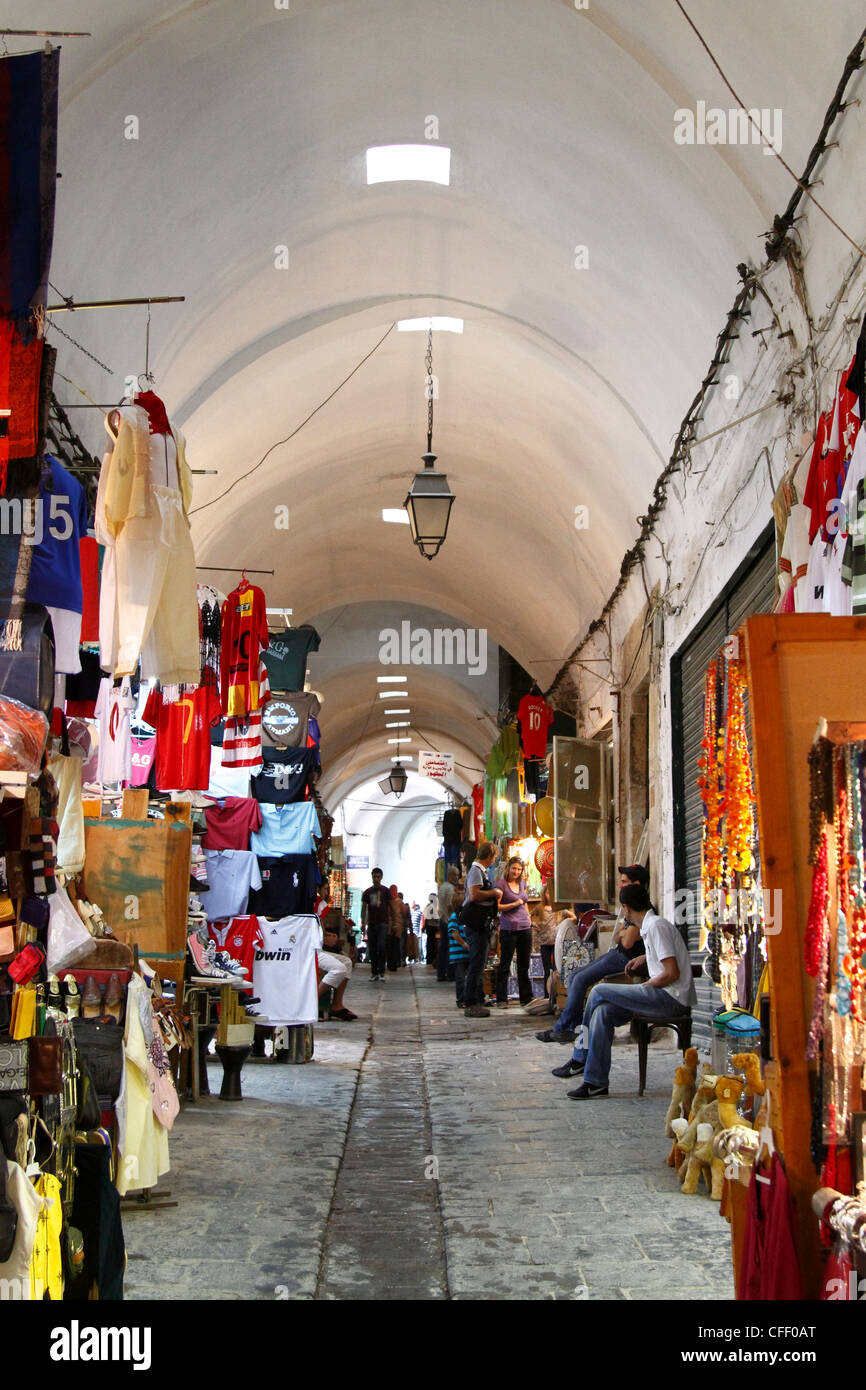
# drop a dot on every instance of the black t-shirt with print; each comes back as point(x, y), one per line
point(285, 775)
point(289, 884)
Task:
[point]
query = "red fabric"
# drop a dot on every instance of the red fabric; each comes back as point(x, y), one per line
point(535, 716)
point(817, 483)
point(230, 823)
point(478, 811)
point(89, 552)
point(238, 939)
point(183, 738)
point(20, 371)
point(769, 1269)
point(837, 1284)
point(244, 636)
point(155, 411)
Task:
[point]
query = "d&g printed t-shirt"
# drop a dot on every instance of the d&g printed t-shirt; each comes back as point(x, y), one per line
point(285, 775)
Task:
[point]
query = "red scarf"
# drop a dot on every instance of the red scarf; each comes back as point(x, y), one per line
point(155, 410)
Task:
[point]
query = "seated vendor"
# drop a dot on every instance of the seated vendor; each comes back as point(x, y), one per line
point(336, 964)
point(668, 993)
point(625, 946)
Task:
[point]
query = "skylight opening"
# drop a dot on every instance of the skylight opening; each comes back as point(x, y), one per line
point(438, 324)
point(409, 163)
point(396, 514)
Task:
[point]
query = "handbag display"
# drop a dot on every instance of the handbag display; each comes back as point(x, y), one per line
point(14, 1066)
point(46, 1066)
point(27, 963)
point(100, 1047)
point(7, 943)
point(23, 1023)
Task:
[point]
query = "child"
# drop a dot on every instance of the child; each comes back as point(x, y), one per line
point(458, 955)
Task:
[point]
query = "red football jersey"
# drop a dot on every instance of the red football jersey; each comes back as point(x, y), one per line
point(183, 737)
point(244, 635)
point(535, 717)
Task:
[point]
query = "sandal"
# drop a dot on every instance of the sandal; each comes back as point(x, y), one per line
point(345, 1014)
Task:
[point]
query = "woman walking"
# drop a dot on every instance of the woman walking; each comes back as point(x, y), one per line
point(430, 923)
point(515, 933)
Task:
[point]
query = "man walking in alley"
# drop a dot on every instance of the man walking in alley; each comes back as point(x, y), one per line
point(376, 917)
point(668, 993)
point(479, 907)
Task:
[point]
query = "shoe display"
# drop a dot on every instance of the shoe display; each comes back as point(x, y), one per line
point(114, 1001)
point(91, 999)
point(203, 962)
point(476, 1011)
point(73, 998)
point(570, 1068)
point(587, 1092)
point(227, 962)
point(55, 998)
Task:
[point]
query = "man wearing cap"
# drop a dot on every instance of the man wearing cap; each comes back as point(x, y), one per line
point(626, 946)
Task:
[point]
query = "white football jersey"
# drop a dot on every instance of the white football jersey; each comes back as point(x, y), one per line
point(284, 969)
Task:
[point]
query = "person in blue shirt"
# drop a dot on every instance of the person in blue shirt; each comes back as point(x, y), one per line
point(458, 950)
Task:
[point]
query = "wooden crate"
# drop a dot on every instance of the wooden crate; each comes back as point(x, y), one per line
point(138, 873)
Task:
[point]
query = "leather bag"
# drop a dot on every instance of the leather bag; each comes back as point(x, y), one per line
point(28, 675)
point(100, 1046)
point(46, 1066)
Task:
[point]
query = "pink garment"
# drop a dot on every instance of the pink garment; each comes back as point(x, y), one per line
point(143, 750)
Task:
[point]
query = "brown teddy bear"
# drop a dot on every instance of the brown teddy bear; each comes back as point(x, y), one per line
point(682, 1095)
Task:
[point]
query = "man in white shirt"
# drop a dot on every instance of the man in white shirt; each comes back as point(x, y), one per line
point(668, 993)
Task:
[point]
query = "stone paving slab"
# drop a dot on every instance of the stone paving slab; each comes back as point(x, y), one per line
point(319, 1185)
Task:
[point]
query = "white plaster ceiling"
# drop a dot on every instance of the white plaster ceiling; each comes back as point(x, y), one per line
point(568, 384)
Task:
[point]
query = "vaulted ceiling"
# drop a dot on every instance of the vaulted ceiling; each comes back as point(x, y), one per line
point(568, 384)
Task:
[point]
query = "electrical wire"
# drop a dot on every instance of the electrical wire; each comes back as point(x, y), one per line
point(299, 427)
point(799, 182)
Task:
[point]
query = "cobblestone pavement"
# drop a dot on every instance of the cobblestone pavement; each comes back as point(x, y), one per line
point(323, 1182)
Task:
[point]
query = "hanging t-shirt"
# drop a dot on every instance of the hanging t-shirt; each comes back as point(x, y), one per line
point(286, 657)
point(285, 721)
point(82, 688)
point(142, 755)
point(452, 828)
point(61, 521)
point(244, 634)
point(535, 716)
point(114, 706)
point(230, 823)
point(238, 938)
point(289, 884)
point(284, 969)
point(314, 733)
point(226, 781)
point(231, 873)
point(285, 776)
point(287, 829)
point(183, 737)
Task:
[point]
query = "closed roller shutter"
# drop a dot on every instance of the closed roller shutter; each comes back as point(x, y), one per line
point(752, 590)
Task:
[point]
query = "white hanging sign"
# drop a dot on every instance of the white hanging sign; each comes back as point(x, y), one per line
point(435, 764)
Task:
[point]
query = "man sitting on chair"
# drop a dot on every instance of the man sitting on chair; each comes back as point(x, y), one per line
point(626, 945)
point(668, 993)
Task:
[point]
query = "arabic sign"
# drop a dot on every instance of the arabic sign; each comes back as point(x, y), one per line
point(435, 764)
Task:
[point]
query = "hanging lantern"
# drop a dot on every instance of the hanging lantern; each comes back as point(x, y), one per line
point(429, 499)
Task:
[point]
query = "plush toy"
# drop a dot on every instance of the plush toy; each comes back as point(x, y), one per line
point(696, 1145)
point(690, 1060)
point(750, 1063)
point(682, 1095)
point(676, 1155)
point(728, 1092)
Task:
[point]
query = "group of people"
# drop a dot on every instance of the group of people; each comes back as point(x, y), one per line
point(458, 922)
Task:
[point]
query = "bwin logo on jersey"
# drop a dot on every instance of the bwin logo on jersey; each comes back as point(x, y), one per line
point(273, 955)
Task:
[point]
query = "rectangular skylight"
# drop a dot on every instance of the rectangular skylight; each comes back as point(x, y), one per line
point(440, 325)
point(399, 740)
point(397, 711)
point(396, 514)
point(390, 680)
point(389, 694)
point(402, 758)
point(399, 724)
point(392, 163)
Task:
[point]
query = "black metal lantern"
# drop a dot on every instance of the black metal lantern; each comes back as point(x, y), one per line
point(429, 499)
point(395, 781)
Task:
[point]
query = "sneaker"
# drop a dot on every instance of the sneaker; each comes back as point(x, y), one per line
point(227, 962)
point(476, 1011)
point(501, 1004)
point(252, 1012)
point(571, 1068)
point(204, 964)
point(587, 1092)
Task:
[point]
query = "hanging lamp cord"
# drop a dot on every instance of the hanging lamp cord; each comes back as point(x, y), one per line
point(429, 362)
